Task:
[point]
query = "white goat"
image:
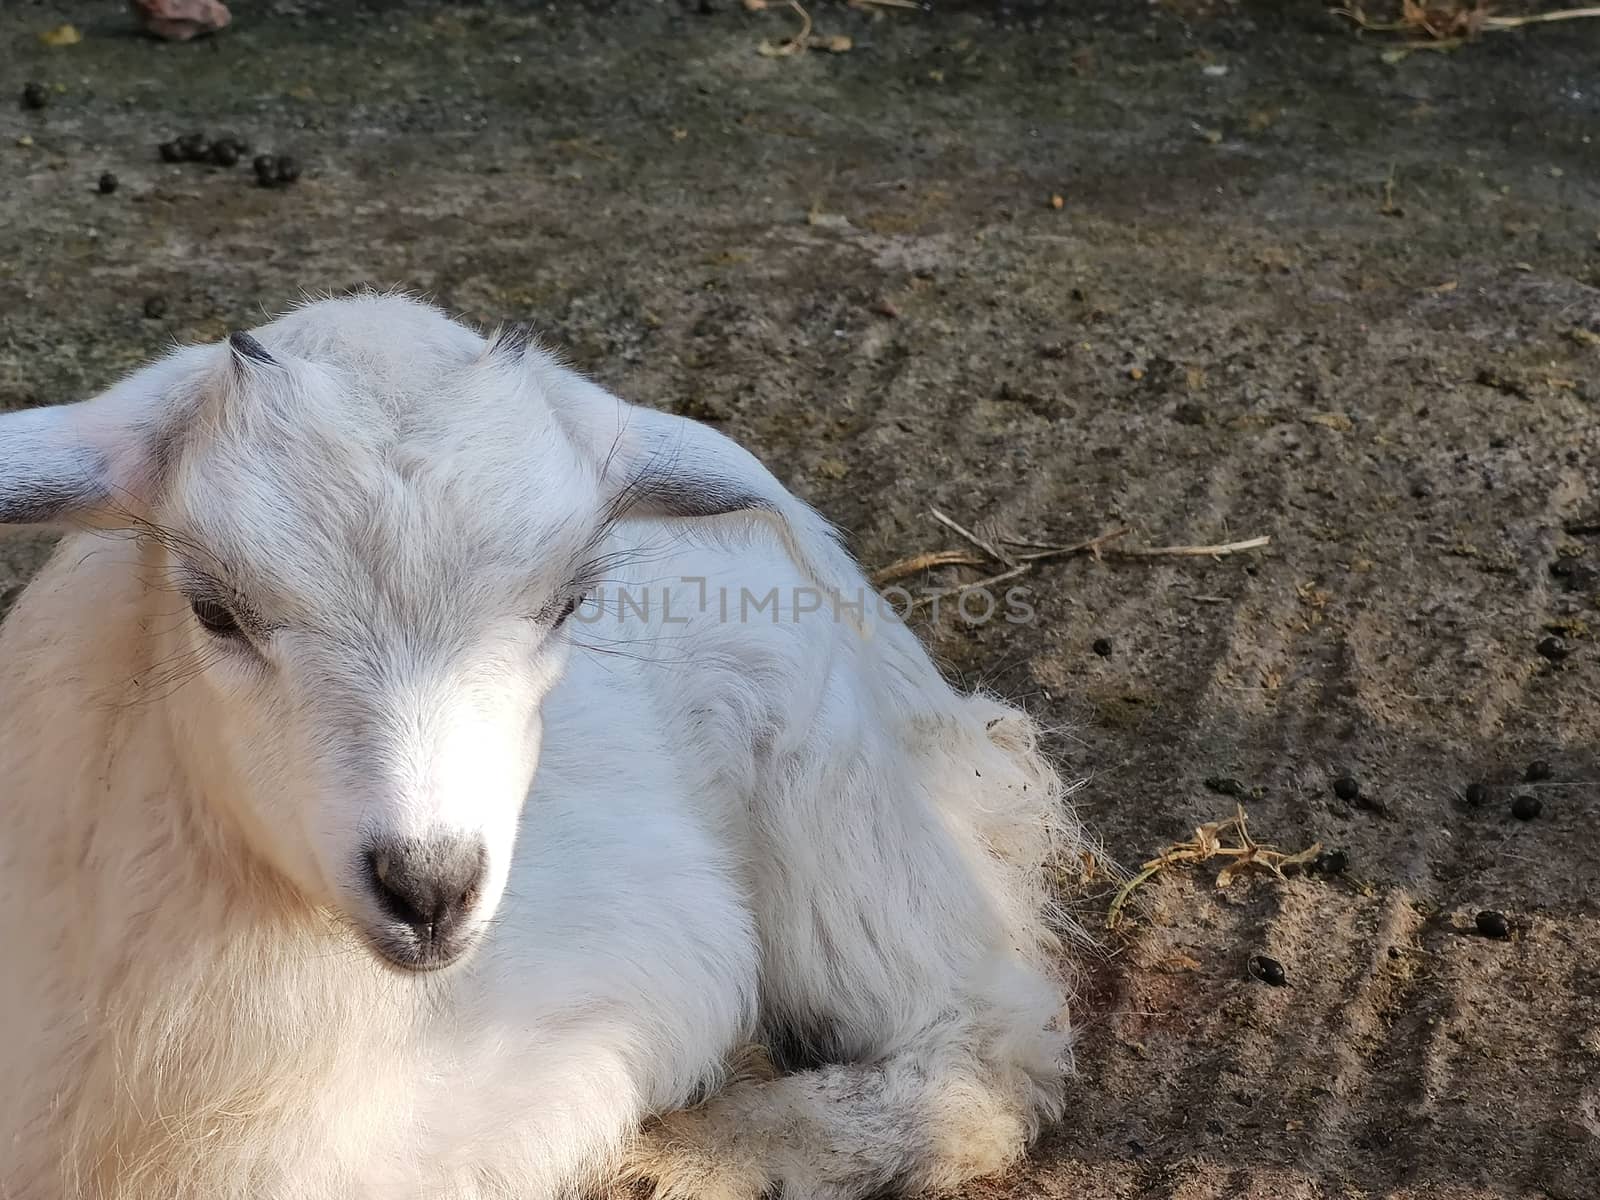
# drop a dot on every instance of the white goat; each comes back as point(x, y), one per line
point(337, 862)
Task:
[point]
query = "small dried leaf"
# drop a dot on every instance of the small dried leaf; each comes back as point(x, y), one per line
point(839, 44)
point(755, 5)
point(61, 35)
point(1299, 860)
point(824, 220)
point(1337, 422)
point(833, 468)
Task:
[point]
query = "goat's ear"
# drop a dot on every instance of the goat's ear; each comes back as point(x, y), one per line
point(656, 464)
point(96, 462)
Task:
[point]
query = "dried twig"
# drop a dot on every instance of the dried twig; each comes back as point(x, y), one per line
point(1026, 544)
point(987, 547)
point(923, 562)
point(1114, 914)
point(1564, 14)
point(1467, 21)
point(1019, 564)
point(803, 37)
point(796, 44)
point(1207, 844)
point(1389, 208)
point(1022, 563)
point(962, 589)
point(1254, 543)
point(1092, 545)
point(1438, 24)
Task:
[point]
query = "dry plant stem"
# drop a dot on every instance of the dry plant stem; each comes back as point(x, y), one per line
point(1565, 14)
point(1443, 45)
point(1024, 563)
point(1019, 564)
point(1196, 551)
point(1500, 23)
point(1361, 22)
point(791, 46)
point(1388, 205)
point(798, 42)
point(1027, 545)
point(1114, 913)
point(923, 562)
point(1092, 545)
point(987, 547)
point(935, 597)
point(1207, 844)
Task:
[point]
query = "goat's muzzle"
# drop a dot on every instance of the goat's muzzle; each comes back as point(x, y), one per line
point(425, 891)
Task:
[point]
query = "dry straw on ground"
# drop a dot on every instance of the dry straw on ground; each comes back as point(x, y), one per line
point(1210, 841)
point(1018, 556)
point(1445, 24)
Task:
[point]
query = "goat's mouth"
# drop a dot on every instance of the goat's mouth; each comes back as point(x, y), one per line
point(415, 951)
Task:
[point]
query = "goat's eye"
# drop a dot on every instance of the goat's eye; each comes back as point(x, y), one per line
point(567, 609)
point(216, 617)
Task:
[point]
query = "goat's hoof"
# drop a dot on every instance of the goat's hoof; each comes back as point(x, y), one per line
point(679, 1160)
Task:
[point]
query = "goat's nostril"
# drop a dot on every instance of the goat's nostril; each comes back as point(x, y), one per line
point(429, 884)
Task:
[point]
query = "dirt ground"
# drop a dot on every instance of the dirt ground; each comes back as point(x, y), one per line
point(1292, 289)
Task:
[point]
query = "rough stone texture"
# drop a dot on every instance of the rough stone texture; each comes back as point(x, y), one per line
point(1362, 299)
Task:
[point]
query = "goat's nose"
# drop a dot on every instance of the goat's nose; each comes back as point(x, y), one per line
point(431, 885)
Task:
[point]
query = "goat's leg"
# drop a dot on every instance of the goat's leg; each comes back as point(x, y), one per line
point(945, 1108)
point(897, 875)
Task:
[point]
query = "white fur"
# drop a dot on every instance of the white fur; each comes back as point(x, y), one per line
point(702, 833)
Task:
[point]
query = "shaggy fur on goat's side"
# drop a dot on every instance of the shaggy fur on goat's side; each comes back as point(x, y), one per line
point(765, 899)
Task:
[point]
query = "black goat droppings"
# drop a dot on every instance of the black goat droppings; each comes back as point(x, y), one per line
point(1268, 970)
point(1493, 924)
